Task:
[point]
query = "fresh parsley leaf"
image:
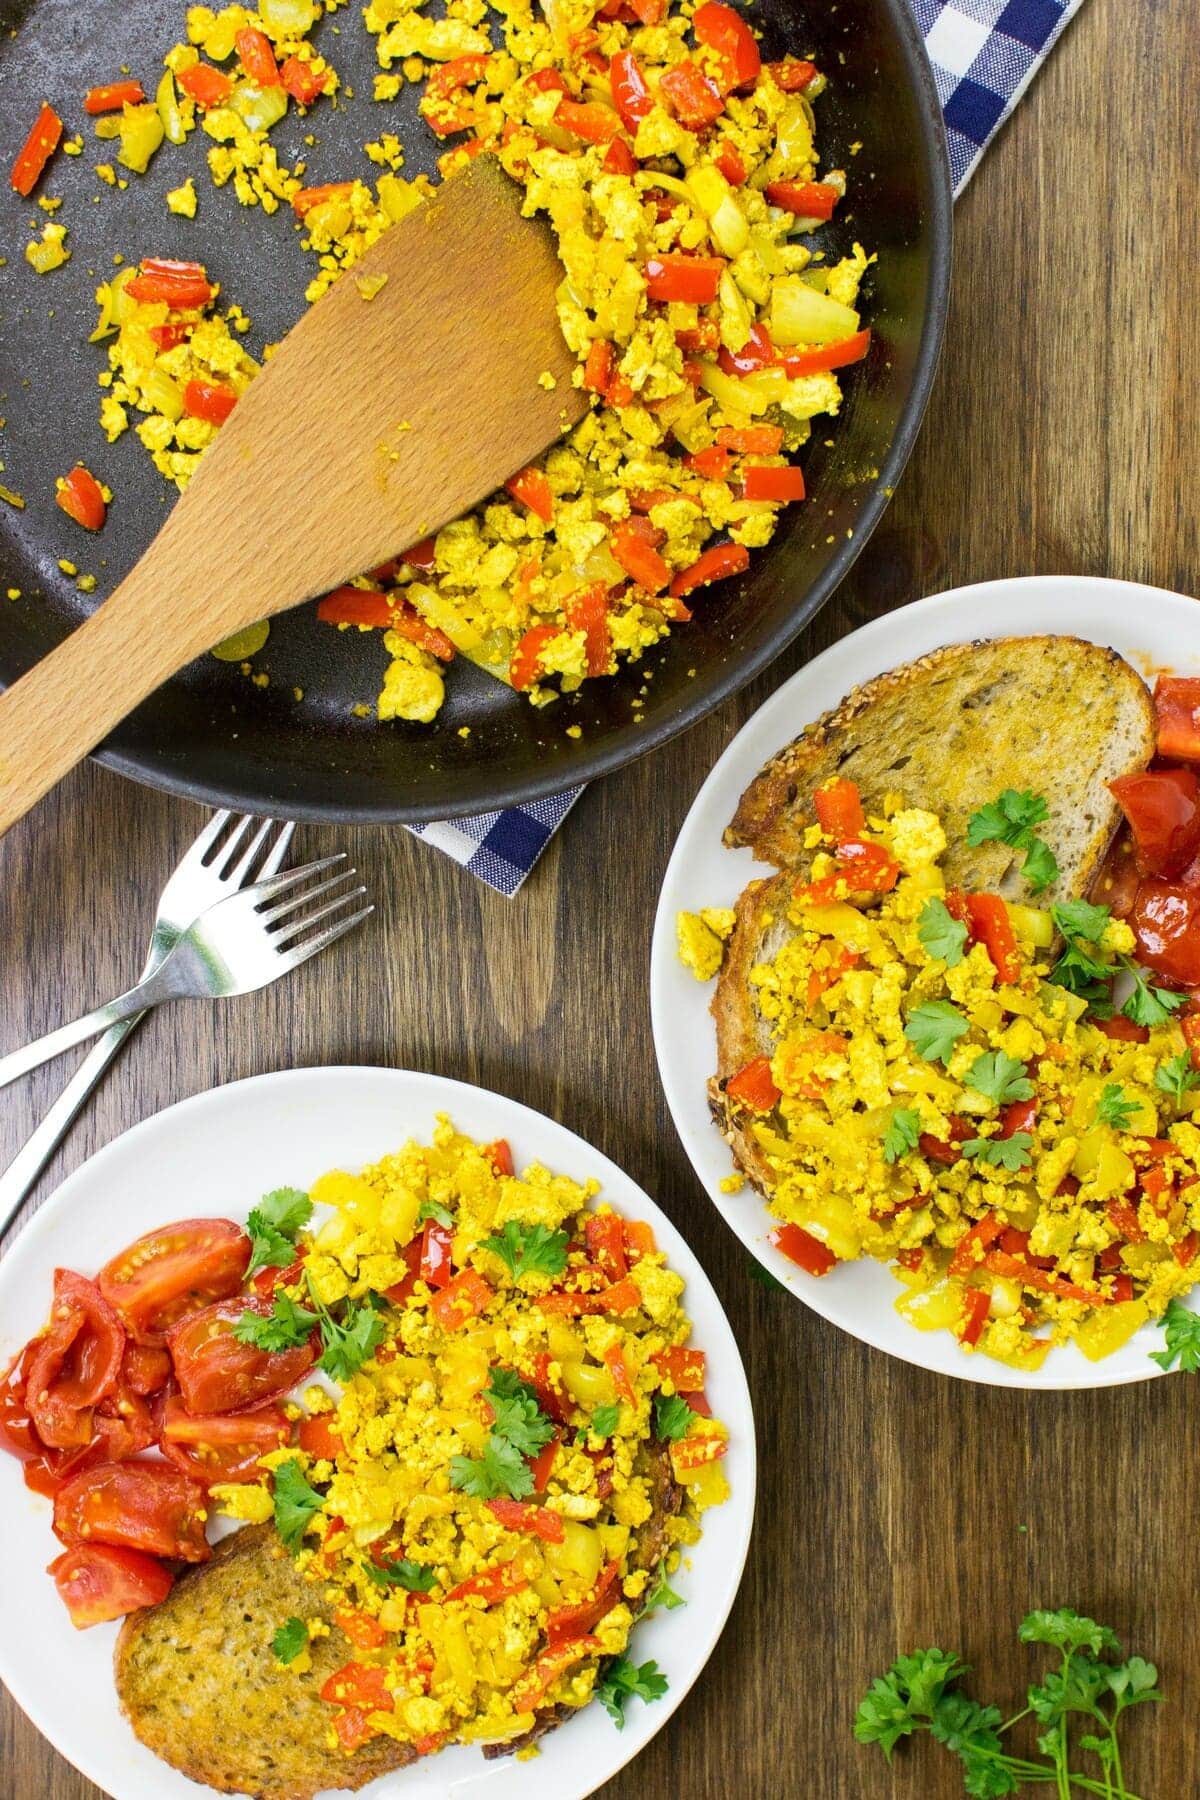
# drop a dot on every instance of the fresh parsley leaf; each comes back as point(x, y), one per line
point(1041, 865)
point(896, 1704)
point(999, 1077)
point(941, 934)
point(1149, 1006)
point(1068, 1631)
point(432, 1209)
point(1113, 1108)
point(1010, 820)
point(295, 1502)
point(1177, 1077)
point(529, 1249)
point(500, 1470)
point(414, 1577)
point(624, 1679)
point(970, 1732)
point(934, 1028)
point(273, 1226)
point(1181, 1338)
point(663, 1594)
point(285, 1327)
point(604, 1420)
point(672, 1416)
point(1001, 1153)
point(351, 1340)
point(904, 1128)
point(1133, 1681)
point(1080, 969)
point(290, 1640)
point(1080, 919)
point(518, 1417)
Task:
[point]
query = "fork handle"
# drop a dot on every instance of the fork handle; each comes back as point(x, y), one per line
point(43, 1141)
point(139, 999)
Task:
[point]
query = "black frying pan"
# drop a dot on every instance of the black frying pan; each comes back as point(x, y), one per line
point(210, 734)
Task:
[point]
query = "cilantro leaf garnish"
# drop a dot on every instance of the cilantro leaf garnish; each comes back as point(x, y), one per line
point(624, 1679)
point(999, 1077)
point(290, 1640)
point(1011, 1153)
point(529, 1249)
point(1149, 1006)
point(500, 1470)
point(518, 1416)
point(1113, 1108)
point(273, 1226)
point(941, 934)
point(1181, 1338)
point(604, 1420)
point(662, 1594)
point(904, 1128)
point(414, 1577)
point(934, 1028)
point(1177, 1077)
point(433, 1209)
point(672, 1416)
point(1010, 819)
point(285, 1327)
point(295, 1502)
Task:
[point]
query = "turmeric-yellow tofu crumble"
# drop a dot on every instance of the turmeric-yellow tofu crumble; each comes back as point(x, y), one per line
point(505, 1479)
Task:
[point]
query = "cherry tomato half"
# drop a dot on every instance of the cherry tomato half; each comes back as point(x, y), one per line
point(99, 1582)
point(74, 1363)
point(136, 1506)
point(223, 1447)
point(1163, 809)
point(174, 1271)
point(217, 1373)
point(1166, 923)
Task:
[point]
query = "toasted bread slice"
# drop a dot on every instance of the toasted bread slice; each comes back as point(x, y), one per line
point(949, 732)
point(954, 729)
point(198, 1682)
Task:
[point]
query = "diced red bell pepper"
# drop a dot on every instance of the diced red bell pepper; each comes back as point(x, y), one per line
point(598, 369)
point(37, 149)
point(550, 1666)
point(445, 105)
point(565, 1623)
point(182, 285)
point(1019, 1115)
point(684, 1367)
point(437, 1263)
point(622, 1297)
point(1189, 1024)
point(711, 464)
point(306, 199)
point(531, 488)
point(630, 90)
point(257, 57)
point(494, 1584)
point(1122, 1030)
point(80, 497)
point(112, 97)
point(691, 96)
point(1184, 1251)
point(1125, 1220)
point(976, 1302)
point(358, 1684)
point(357, 606)
point(167, 336)
point(754, 1086)
point(205, 85)
point(802, 1248)
point(752, 440)
point(461, 1300)
point(604, 1234)
point(985, 1231)
point(706, 1447)
point(997, 1262)
point(316, 1436)
point(867, 867)
point(694, 279)
point(304, 83)
point(807, 199)
point(780, 485)
point(1177, 710)
point(758, 352)
point(639, 1236)
point(588, 120)
point(408, 622)
point(619, 159)
point(826, 356)
point(839, 810)
point(1122, 1287)
point(541, 1521)
point(399, 1292)
point(618, 1367)
point(211, 401)
point(1163, 810)
point(499, 1154)
point(713, 564)
point(586, 610)
point(793, 74)
point(730, 163)
point(719, 28)
point(422, 555)
point(542, 1464)
point(364, 1631)
point(526, 667)
point(991, 925)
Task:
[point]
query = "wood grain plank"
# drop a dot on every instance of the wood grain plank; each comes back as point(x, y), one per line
point(895, 1508)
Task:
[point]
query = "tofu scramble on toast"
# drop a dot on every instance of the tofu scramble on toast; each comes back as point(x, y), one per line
point(450, 1542)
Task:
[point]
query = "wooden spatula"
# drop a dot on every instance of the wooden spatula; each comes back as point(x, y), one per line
point(374, 422)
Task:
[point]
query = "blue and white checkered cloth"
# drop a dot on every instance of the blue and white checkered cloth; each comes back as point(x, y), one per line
point(984, 55)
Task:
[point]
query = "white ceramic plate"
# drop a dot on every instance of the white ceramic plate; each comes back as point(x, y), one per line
point(216, 1154)
point(1154, 630)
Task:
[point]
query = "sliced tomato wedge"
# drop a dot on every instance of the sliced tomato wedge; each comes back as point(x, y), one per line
point(1163, 810)
point(317, 1436)
point(173, 1271)
point(74, 1364)
point(218, 1374)
point(17, 1434)
point(137, 1506)
point(1166, 924)
point(98, 1582)
point(224, 1446)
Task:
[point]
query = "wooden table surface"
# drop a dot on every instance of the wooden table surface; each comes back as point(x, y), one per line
point(895, 1508)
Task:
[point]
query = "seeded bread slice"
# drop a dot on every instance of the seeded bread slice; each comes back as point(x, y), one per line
point(948, 732)
point(199, 1684)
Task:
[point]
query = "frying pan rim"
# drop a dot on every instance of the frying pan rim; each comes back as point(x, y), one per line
point(742, 668)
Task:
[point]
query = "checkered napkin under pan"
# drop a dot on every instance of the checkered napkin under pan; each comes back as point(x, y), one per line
point(984, 55)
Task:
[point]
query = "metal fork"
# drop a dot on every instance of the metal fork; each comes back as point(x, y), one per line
point(241, 943)
point(203, 874)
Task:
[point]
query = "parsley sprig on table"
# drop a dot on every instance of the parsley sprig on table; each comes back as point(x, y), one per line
point(529, 1249)
point(273, 1226)
point(519, 1430)
point(921, 1692)
point(1010, 819)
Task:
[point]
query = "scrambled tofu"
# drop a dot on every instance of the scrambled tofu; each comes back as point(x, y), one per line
point(485, 1477)
point(1030, 1167)
point(682, 182)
